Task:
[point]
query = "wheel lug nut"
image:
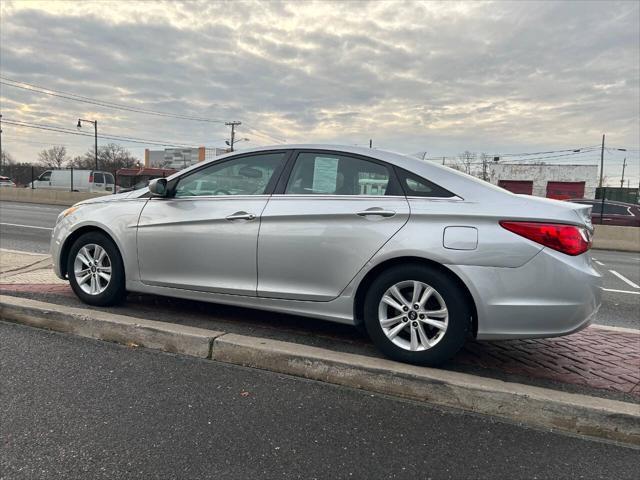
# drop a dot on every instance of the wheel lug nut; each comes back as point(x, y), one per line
point(421, 317)
point(404, 319)
point(404, 309)
point(414, 324)
point(416, 306)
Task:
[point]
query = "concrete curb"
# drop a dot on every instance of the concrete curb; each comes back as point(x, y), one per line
point(611, 328)
point(169, 337)
point(582, 414)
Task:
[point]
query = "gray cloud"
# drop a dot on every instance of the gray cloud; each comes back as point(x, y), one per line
point(441, 77)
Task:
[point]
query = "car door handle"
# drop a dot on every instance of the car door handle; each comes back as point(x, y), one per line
point(241, 216)
point(376, 211)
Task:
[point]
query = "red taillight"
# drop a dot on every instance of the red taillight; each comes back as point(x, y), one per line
point(91, 178)
point(567, 239)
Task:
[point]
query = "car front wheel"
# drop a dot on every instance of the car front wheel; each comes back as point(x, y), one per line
point(417, 314)
point(96, 271)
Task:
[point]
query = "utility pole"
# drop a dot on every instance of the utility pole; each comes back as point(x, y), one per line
point(601, 162)
point(371, 143)
point(233, 126)
point(624, 164)
point(484, 168)
point(443, 160)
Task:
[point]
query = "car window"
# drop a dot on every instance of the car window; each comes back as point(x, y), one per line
point(98, 178)
point(45, 177)
point(596, 207)
point(610, 209)
point(109, 178)
point(415, 186)
point(248, 175)
point(327, 174)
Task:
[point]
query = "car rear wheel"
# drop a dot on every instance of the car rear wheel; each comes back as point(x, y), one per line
point(417, 315)
point(96, 271)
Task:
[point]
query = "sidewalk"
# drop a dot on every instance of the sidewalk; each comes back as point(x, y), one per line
point(598, 358)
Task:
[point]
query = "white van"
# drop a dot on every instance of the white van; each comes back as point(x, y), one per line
point(83, 180)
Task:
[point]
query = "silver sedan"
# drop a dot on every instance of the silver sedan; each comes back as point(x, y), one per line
point(421, 256)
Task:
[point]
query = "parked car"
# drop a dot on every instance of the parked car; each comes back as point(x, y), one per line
point(6, 182)
point(612, 213)
point(76, 180)
point(427, 260)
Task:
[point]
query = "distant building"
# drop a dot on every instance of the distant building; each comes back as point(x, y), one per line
point(179, 158)
point(544, 180)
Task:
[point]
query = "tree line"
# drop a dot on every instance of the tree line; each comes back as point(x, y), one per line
point(111, 157)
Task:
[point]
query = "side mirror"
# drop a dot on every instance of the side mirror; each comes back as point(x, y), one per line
point(158, 187)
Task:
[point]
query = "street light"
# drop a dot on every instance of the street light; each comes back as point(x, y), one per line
point(235, 141)
point(95, 130)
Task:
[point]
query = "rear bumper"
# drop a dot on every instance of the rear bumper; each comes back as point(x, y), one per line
point(551, 295)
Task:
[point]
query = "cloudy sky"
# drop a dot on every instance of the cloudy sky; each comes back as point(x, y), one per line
point(439, 77)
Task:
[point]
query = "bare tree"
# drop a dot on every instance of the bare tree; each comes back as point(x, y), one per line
point(111, 157)
point(467, 159)
point(54, 157)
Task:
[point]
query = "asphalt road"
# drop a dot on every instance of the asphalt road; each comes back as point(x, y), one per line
point(28, 227)
point(77, 408)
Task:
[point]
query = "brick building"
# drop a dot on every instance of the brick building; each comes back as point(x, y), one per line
point(545, 180)
point(179, 158)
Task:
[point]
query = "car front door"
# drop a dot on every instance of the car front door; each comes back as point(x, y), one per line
point(43, 181)
point(204, 237)
point(327, 218)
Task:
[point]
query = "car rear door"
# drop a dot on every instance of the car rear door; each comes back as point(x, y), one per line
point(98, 182)
point(330, 214)
point(204, 238)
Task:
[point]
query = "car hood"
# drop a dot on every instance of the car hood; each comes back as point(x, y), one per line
point(115, 198)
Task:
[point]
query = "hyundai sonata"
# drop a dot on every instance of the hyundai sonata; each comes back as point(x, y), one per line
point(421, 256)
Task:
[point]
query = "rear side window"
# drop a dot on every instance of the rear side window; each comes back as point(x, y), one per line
point(616, 209)
point(98, 178)
point(415, 186)
point(596, 207)
point(330, 174)
point(108, 178)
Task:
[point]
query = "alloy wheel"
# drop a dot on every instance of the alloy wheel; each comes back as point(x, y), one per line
point(92, 269)
point(413, 315)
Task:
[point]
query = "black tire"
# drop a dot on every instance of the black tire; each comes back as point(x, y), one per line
point(115, 292)
point(457, 306)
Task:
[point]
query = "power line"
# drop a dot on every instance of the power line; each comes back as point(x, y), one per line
point(119, 106)
point(574, 150)
point(102, 103)
point(553, 156)
point(263, 134)
point(107, 136)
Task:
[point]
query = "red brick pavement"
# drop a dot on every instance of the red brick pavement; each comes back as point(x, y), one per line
point(594, 357)
point(45, 288)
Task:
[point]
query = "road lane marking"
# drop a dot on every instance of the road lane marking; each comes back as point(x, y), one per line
point(23, 252)
point(620, 291)
point(599, 263)
point(624, 279)
point(25, 226)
